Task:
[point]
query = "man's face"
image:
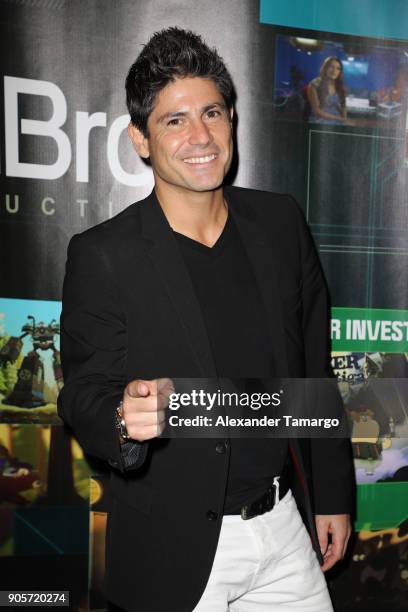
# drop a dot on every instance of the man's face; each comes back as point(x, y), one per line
point(190, 136)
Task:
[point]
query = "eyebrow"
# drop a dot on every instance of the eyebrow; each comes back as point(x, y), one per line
point(177, 114)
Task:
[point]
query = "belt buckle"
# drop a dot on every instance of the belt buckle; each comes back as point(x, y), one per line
point(262, 505)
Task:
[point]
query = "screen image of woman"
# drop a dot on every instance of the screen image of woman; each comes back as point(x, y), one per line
point(327, 95)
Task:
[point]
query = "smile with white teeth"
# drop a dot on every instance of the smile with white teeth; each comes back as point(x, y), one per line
point(199, 160)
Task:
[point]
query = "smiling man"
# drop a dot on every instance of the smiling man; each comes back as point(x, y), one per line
point(188, 139)
point(200, 280)
point(189, 145)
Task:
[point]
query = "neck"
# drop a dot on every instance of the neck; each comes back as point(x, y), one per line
point(201, 215)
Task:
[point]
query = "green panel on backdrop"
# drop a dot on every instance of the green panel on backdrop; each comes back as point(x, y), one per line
point(373, 18)
point(381, 505)
point(369, 330)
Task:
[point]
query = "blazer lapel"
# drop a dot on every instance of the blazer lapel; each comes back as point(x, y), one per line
point(263, 262)
point(167, 259)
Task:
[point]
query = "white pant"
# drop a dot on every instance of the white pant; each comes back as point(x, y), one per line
point(266, 563)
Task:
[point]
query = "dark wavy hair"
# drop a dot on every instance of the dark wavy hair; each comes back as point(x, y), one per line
point(172, 53)
point(338, 83)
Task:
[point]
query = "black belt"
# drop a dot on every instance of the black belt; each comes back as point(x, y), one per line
point(267, 501)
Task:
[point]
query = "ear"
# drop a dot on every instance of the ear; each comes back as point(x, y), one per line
point(231, 113)
point(139, 141)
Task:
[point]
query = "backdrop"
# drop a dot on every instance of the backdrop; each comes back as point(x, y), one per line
point(66, 164)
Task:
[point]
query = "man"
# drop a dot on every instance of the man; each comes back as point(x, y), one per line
point(200, 280)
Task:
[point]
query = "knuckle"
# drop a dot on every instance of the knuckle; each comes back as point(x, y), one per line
point(131, 389)
point(153, 402)
point(153, 417)
point(137, 405)
point(136, 434)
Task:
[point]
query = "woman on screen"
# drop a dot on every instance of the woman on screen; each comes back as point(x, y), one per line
point(326, 93)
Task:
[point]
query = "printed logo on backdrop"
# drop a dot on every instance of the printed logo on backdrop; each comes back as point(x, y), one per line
point(63, 151)
point(369, 330)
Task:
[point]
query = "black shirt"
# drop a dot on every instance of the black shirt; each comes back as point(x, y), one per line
point(233, 312)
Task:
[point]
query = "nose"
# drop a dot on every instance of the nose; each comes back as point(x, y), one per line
point(199, 133)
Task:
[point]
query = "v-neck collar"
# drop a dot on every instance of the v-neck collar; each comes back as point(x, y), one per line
point(203, 248)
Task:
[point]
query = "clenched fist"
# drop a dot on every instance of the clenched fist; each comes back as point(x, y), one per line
point(144, 404)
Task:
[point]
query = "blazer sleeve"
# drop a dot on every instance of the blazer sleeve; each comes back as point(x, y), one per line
point(93, 355)
point(333, 476)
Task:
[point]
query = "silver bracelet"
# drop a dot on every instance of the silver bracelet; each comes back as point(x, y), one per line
point(121, 425)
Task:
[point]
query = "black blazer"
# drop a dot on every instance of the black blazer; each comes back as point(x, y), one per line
point(129, 311)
